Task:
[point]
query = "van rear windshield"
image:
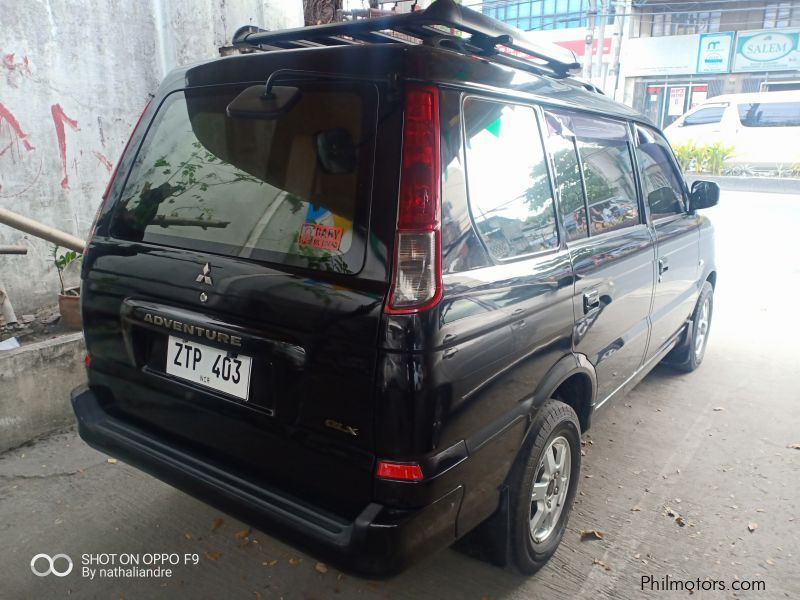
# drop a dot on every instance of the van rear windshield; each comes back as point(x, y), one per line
point(290, 188)
point(770, 114)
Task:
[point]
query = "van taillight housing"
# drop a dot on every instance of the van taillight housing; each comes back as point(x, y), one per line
point(417, 277)
point(104, 197)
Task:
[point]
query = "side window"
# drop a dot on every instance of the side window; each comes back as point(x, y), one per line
point(509, 189)
point(661, 183)
point(605, 156)
point(770, 114)
point(561, 143)
point(705, 116)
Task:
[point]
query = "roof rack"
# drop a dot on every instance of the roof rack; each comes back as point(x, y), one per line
point(443, 24)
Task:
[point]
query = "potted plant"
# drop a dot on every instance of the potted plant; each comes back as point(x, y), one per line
point(69, 300)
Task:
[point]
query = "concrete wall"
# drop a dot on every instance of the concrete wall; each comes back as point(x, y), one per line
point(74, 77)
point(35, 382)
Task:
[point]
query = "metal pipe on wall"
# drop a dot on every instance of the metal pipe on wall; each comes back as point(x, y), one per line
point(51, 234)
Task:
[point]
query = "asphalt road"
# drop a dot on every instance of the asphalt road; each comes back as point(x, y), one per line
point(711, 447)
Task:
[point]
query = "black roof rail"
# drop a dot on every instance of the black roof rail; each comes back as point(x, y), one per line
point(443, 24)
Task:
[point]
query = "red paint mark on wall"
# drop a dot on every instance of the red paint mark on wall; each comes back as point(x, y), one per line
point(103, 160)
point(8, 61)
point(59, 119)
point(7, 116)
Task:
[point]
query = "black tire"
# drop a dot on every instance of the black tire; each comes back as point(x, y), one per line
point(687, 357)
point(554, 422)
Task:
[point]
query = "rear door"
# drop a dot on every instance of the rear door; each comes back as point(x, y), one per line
point(233, 301)
point(610, 246)
point(677, 237)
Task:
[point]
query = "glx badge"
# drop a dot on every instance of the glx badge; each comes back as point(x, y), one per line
point(341, 427)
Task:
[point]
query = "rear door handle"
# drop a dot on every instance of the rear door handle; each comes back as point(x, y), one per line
point(591, 300)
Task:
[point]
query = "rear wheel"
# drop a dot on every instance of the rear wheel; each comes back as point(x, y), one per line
point(689, 355)
point(543, 485)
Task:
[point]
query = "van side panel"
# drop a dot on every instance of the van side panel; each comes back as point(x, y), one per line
point(457, 381)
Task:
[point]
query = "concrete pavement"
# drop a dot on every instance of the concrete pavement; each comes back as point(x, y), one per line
point(709, 447)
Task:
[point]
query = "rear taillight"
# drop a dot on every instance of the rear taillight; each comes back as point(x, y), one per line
point(417, 277)
point(403, 471)
point(104, 197)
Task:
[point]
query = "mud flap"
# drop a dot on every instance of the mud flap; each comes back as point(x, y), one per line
point(491, 540)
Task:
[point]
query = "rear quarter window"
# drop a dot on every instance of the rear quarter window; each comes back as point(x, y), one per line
point(770, 114)
point(291, 189)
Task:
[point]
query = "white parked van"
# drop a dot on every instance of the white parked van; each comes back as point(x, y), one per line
point(764, 128)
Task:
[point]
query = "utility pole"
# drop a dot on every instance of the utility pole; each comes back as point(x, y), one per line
point(591, 11)
point(619, 24)
point(602, 15)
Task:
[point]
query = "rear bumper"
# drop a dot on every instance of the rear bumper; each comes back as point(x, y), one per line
point(380, 542)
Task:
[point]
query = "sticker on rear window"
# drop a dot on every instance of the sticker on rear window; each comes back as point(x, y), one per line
point(322, 237)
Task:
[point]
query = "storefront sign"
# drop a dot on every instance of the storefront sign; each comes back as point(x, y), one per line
point(714, 52)
point(777, 50)
point(677, 100)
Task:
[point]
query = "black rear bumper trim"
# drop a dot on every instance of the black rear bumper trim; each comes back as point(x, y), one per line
point(380, 541)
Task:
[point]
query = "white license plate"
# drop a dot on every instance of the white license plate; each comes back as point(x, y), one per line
point(209, 367)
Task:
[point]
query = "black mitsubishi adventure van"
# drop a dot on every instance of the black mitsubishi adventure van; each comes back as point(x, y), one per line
point(365, 284)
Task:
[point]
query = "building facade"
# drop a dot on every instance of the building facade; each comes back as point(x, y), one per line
point(677, 55)
point(665, 56)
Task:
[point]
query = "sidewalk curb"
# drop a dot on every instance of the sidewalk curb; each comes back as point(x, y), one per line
point(770, 185)
point(36, 381)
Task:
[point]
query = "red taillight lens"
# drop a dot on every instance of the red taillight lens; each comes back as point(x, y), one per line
point(87, 360)
point(104, 197)
point(404, 471)
point(416, 283)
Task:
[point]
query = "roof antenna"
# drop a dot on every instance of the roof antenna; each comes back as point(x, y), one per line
point(394, 8)
point(413, 6)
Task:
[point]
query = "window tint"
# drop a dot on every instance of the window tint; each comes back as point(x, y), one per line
point(661, 183)
point(705, 116)
point(509, 188)
point(287, 189)
point(770, 114)
point(607, 170)
point(561, 143)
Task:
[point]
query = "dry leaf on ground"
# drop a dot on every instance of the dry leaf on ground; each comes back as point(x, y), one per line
point(217, 523)
point(795, 446)
point(213, 555)
point(680, 521)
point(752, 527)
point(241, 534)
point(600, 563)
point(111, 461)
point(591, 534)
point(294, 561)
point(321, 567)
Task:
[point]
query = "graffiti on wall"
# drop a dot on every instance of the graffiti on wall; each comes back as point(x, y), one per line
point(19, 149)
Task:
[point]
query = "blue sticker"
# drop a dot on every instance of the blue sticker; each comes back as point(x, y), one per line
point(315, 213)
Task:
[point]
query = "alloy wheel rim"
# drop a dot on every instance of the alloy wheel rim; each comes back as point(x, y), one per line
point(550, 486)
point(702, 329)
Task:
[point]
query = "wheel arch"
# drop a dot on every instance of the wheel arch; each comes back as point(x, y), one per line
point(573, 381)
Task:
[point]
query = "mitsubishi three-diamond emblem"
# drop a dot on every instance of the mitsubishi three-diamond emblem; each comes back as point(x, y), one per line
point(205, 276)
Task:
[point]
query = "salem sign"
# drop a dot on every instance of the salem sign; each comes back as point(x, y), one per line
point(767, 50)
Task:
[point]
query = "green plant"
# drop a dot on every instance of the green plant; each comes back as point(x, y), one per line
point(684, 153)
point(61, 261)
point(715, 156)
point(699, 158)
